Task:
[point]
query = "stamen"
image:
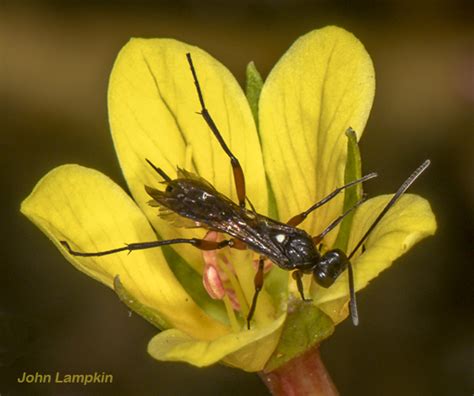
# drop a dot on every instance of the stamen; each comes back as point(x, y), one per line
point(233, 298)
point(231, 314)
point(237, 288)
point(220, 281)
point(212, 282)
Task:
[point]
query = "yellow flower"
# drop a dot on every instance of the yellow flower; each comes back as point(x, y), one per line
point(293, 157)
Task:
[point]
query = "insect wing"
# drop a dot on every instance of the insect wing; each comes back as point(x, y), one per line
point(177, 220)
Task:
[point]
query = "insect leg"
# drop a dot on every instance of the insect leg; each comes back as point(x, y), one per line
point(318, 238)
point(160, 171)
point(239, 178)
point(297, 276)
point(258, 282)
point(199, 243)
point(295, 220)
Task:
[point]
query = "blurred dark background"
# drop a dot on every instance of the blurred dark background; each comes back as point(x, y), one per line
point(416, 332)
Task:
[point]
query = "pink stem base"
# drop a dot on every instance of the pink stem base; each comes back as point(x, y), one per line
point(305, 375)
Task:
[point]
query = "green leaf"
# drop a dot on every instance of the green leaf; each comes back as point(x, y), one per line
point(253, 87)
point(353, 194)
point(305, 326)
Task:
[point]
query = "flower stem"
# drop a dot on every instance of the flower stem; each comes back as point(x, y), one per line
point(304, 375)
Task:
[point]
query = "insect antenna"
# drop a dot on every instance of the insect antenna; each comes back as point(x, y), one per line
point(160, 171)
point(318, 238)
point(299, 218)
point(406, 184)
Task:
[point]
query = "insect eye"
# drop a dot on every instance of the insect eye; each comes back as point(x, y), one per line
point(169, 188)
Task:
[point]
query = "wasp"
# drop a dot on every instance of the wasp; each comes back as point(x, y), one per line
point(291, 248)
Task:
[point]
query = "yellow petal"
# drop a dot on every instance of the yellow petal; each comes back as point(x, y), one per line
point(406, 223)
point(88, 210)
point(153, 108)
point(321, 86)
point(266, 310)
point(248, 349)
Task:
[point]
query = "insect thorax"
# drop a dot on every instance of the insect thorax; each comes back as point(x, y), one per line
point(296, 246)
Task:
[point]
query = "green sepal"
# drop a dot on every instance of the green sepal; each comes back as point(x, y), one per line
point(353, 194)
point(146, 312)
point(305, 326)
point(253, 87)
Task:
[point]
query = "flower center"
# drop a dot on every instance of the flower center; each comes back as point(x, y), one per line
point(221, 280)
